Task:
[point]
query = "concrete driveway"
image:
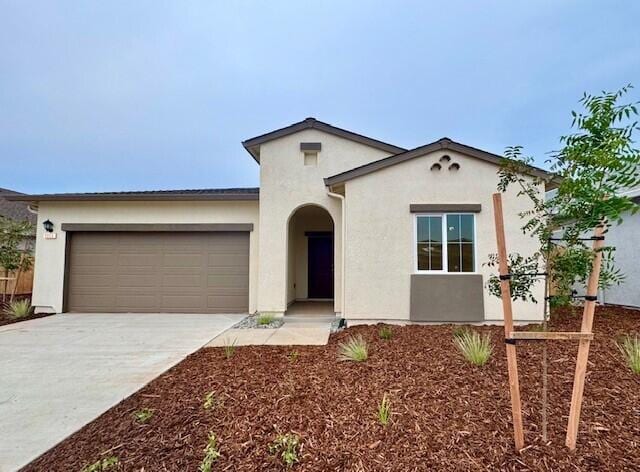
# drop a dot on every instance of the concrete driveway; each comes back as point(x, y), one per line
point(59, 373)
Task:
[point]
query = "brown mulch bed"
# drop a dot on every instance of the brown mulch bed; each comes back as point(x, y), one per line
point(447, 414)
point(5, 319)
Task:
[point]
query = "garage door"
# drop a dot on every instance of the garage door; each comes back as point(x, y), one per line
point(201, 272)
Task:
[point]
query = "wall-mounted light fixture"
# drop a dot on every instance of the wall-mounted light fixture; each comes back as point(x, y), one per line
point(48, 226)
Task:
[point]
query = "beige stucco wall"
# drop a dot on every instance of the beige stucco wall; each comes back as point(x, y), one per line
point(380, 240)
point(287, 184)
point(50, 254)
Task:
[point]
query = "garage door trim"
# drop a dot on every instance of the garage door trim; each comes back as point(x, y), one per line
point(158, 227)
point(70, 228)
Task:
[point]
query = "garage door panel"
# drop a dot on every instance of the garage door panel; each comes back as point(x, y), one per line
point(227, 281)
point(158, 272)
point(90, 281)
point(136, 280)
point(225, 304)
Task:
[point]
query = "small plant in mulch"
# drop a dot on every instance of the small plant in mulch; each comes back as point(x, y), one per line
point(353, 349)
point(230, 349)
point(19, 309)
point(211, 454)
point(210, 401)
point(384, 411)
point(385, 332)
point(286, 446)
point(264, 319)
point(143, 415)
point(293, 356)
point(475, 348)
point(536, 327)
point(458, 331)
point(629, 346)
point(102, 465)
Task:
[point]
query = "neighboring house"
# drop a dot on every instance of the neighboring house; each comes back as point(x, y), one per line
point(13, 210)
point(625, 238)
point(381, 231)
point(18, 211)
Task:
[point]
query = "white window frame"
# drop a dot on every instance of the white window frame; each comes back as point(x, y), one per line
point(445, 244)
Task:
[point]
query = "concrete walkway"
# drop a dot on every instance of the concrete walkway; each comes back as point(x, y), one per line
point(306, 330)
point(61, 372)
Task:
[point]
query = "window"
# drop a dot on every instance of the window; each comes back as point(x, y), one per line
point(453, 253)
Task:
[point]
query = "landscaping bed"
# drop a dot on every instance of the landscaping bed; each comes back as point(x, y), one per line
point(446, 413)
point(6, 318)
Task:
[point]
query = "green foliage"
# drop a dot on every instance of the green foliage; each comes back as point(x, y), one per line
point(19, 309)
point(210, 401)
point(353, 349)
point(286, 445)
point(595, 165)
point(384, 410)
point(293, 356)
point(459, 331)
point(230, 349)
point(264, 319)
point(385, 332)
point(102, 465)
point(557, 301)
point(520, 285)
point(12, 235)
point(475, 348)
point(211, 454)
point(630, 348)
point(143, 415)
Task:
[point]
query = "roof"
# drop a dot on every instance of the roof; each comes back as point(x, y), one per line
point(18, 211)
point(443, 143)
point(246, 193)
point(252, 145)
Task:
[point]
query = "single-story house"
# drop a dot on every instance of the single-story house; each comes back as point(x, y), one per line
point(377, 230)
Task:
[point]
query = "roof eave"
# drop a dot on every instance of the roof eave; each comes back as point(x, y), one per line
point(252, 145)
point(442, 144)
point(135, 197)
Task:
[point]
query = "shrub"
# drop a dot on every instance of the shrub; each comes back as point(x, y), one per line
point(354, 349)
point(211, 454)
point(630, 348)
point(102, 465)
point(230, 349)
point(209, 401)
point(384, 410)
point(459, 331)
point(293, 356)
point(385, 333)
point(286, 445)
point(264, 319)
point(475, 348)
point(144, 415)
point(19, 309)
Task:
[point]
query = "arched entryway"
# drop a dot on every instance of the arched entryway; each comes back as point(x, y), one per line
point(310, 261)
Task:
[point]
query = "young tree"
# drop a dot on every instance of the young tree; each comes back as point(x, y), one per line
point(14, 256)
point(595, 165)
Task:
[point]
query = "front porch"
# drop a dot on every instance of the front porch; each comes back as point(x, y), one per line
point(311, 309)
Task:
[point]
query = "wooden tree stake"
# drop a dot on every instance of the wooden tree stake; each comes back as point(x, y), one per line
point(583, 347)
point(512, 361)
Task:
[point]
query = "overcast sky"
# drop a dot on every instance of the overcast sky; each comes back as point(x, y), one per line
point(128, 95)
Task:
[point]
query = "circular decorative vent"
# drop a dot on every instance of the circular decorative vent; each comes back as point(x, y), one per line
point(445, 158)
point(454, 166)
point(436, 166)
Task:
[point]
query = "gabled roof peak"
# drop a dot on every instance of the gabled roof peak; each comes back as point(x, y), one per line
point(252, 145)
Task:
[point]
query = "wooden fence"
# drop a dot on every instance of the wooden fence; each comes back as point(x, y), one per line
point(25, 284)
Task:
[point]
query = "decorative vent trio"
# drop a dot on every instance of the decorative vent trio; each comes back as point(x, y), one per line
point(443, 161)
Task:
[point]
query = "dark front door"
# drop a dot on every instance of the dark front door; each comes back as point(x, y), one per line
point(320, 266)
